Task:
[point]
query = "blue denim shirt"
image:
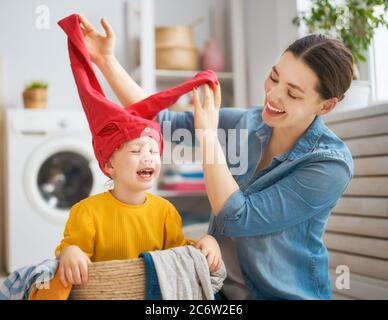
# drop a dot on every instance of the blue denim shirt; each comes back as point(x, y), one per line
point(278, 216)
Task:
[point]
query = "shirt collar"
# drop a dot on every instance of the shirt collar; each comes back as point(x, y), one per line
point(308, 140)
point(304, 145)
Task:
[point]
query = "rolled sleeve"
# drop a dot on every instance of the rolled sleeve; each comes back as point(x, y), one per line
point(309, 190)
point(234, 203)
point(228, 119)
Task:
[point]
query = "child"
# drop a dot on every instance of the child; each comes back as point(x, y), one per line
point(123, 222)
point(127, 220)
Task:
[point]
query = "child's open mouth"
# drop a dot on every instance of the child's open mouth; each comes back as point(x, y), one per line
point(146, 173)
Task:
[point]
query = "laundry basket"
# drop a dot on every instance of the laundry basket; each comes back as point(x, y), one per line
point(113, 280)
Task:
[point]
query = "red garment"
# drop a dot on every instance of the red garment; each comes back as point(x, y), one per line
point(110, 124)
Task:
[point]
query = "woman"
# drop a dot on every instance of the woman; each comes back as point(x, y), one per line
point(270, 220)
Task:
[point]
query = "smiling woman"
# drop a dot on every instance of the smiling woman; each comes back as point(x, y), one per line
point(309, 78)
point(270, 220)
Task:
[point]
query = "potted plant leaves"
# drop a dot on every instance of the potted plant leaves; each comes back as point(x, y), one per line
point(354, 23)
point(35, 95)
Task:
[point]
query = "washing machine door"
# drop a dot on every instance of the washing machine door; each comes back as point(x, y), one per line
point(59, 174)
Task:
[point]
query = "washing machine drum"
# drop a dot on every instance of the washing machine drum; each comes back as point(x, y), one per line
point(60, 174)
point(64, 179)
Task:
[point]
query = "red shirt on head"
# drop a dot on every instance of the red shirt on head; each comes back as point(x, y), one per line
point(110, 124)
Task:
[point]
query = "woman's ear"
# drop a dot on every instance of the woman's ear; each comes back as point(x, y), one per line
point(327, 106)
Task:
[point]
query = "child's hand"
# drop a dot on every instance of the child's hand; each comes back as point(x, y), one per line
point(211, 250)
point(73, 266)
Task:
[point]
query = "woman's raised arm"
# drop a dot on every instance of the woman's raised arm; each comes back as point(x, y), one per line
point(101, 51)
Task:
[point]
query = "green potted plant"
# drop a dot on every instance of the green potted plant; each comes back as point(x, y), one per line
point(354, 23)
point(35, 95)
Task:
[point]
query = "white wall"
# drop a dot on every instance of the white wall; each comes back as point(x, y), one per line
point(30, 53)
point(269, 32)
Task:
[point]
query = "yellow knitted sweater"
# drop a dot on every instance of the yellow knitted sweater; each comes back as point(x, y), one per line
point(105, 228)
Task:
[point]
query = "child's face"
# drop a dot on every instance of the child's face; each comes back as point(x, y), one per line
point(136, 165)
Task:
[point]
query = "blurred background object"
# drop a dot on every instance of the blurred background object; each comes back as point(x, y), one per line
point(35, 95)
point(50, 166)
point(355, 24)
point(2, 169)
point(183, 178)
point(175, 47)
point(213, 57)
point(357, 230)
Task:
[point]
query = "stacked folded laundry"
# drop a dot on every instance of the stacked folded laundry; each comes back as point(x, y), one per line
point(183, 177)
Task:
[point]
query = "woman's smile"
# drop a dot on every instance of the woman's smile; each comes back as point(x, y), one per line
point(272, 111)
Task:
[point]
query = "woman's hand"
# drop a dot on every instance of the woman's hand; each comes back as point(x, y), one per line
point(206, 115)
point(73, 266)
point(98, 46)
point(220, 184)
point(211, 250)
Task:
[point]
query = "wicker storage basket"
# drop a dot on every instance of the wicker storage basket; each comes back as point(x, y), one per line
point(113, 280)
point(175, 48)
point(177, 58)
point(174, 37)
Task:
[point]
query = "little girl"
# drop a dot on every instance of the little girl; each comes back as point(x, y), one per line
point(123, 222)
point(127, 220)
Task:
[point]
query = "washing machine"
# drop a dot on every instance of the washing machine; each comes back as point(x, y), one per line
point(50, 166)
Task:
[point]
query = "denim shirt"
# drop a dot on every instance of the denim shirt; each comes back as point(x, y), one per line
point(278, 216)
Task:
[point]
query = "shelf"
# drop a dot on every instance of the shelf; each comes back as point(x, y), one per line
point(141, 34)
point(180, 76)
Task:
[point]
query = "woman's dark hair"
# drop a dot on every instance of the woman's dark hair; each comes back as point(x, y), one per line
point(331, 61)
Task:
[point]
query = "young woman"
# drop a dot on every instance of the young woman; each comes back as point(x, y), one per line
point(270, 220)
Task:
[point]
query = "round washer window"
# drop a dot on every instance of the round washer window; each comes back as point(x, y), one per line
point(64, 179)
